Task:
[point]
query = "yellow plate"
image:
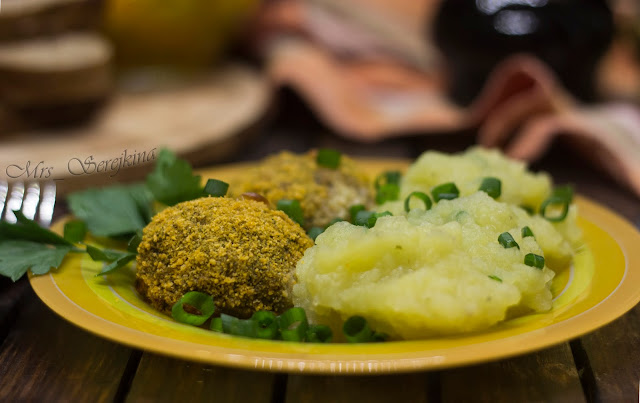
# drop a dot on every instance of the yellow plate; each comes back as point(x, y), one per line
point(601, 286)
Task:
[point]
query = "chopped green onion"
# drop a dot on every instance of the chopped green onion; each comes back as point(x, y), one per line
point(216, 188)
point(356, 330)
point(266, 324)
point(354, 210)
point(216, 325)
point(561, 197)
point(202, 302)
point(75, 231)
point(492, 186)
point(335, 220)
point(364, 218)
point(507, 241)
point(369, 218)
point(293, 324)
point(314, 232)
point(388, 177)
point(379, 337)
point(420, 195)
point(529, 210)
point(134, 242)
point(387, 192)
point(238, 327)
point(498, 279)
point(446, 191)
point(328, 158)
point(292, 209)
point(319, 334)
point(526, 231)
point(533, 260)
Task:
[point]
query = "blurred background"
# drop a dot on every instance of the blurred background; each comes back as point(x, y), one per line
point(90, 81)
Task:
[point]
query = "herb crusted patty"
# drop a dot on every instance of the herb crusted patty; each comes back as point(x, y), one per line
point(239, 251)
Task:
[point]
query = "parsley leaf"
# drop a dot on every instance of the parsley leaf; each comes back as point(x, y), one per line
point(172, 181)
point(28, 230)
point(121, 262)
point(113, 211)
point(18, 256)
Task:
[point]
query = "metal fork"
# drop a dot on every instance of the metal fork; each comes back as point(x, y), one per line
point(36, 201)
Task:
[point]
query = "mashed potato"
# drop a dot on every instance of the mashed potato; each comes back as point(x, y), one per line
point(520, 188)
point(467, 169)
point(442, 271)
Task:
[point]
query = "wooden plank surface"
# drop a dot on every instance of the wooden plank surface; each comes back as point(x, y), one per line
point(412, 388)
point(545, 376)
point(164, 379)
point(44, 358)
point(610, 359)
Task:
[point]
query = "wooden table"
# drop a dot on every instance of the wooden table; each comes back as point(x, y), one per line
point(44, 358)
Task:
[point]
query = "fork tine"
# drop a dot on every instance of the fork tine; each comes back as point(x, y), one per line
point(48, 202)
point(4, 190)
point(14, 201)
point(31, 200)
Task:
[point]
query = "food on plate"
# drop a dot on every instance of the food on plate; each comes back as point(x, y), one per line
point(518, 187)
point(432, 272)
point(241, 252)
point(324, 192)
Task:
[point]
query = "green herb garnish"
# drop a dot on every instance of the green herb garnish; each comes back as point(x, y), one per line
point(526, 231)
point(496, 278)
point(507, 241)
point(172, 181)
point(113, 211)
point(216, 188)
point(533, 260)
point(328, 158)
point(292, 209)
point(418, 195)
point(446, 191)
point(199, 302)
point(491, 186)
point(561, 198)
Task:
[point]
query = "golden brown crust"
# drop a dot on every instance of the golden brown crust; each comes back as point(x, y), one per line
point(323, 193)
point(239, 251)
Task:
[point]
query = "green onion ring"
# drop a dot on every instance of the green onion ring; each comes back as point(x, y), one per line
point(319, 334)
point(216, 188)
point(526, 231)
point(328, 158)
point(216, 325)
point(201, 301)
point(420, 195)
point(391, 177)
point(238, 327)
point(445, 191)
point(387, 192)
point(314, 232)
point(562, 195)
point(533, 260)
point(496, 278)
point(507, 241)
point(354, 210)
point(356, 330)
point(266, 324)
point(292, 209)
point(293, 324)
point(492, 186)
point(555, 200)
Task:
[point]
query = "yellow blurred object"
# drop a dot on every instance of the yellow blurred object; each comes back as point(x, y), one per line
point(182, 34)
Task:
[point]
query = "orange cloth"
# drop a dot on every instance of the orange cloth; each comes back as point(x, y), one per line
point(368, 71)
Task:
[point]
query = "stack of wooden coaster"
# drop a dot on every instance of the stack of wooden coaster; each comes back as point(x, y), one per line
point(55, 70)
